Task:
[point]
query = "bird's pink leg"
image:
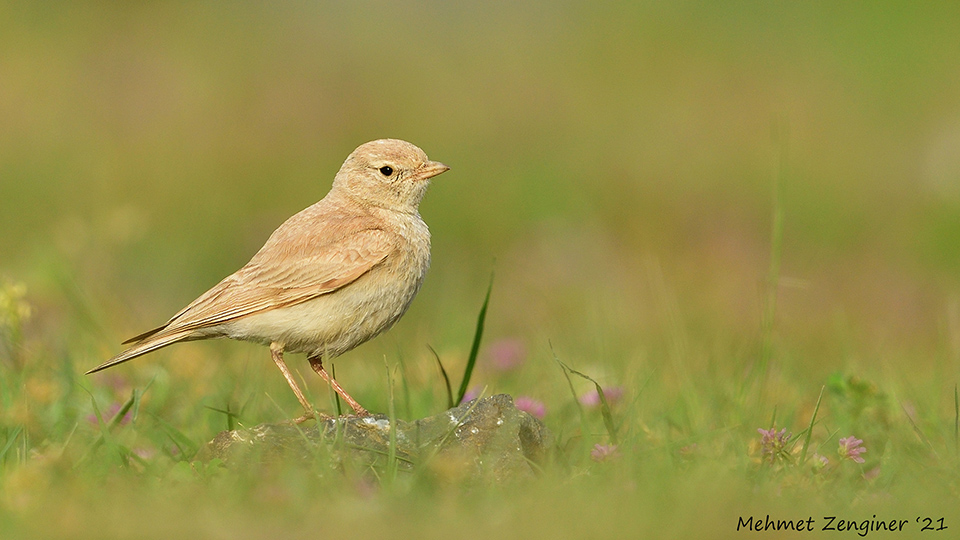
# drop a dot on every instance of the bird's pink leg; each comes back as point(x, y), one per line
point(276, 351)
point(316, 363)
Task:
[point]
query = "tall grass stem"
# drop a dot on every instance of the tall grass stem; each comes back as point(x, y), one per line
point(806, 439)
point(446, 378)
point(781, 136)
point(475, 348)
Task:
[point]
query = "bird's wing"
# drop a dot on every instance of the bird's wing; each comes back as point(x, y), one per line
point(281, 274)
point(292, 267)
point(285, 277)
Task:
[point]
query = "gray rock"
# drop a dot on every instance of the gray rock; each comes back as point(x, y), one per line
point(486, 438)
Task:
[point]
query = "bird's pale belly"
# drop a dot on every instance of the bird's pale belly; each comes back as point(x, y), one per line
point(334, 323)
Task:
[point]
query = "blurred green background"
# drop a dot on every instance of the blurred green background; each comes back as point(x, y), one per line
point(147, 150)
point(614, 163)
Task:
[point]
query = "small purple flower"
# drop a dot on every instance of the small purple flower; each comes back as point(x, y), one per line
point(773, 445)
point(822, 461)
point(850, 448)
point(507, 354)
point(532, 406)
point(604, 452)
point(592, 398)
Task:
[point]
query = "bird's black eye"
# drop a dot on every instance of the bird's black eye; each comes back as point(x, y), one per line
point(386, 170)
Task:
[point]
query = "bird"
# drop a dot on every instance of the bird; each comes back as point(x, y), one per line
point(331, 277)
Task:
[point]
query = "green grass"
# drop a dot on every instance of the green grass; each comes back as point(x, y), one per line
point(680, 445)
point(474, 349)
point(617, 163)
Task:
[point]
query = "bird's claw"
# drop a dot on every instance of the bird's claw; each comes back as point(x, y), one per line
point(310, 415)
point(361, 413)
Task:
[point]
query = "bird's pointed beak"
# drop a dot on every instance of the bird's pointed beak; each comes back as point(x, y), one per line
point(431, 169)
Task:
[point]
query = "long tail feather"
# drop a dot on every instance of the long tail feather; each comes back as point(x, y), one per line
point(145, 335)
point(145, 346)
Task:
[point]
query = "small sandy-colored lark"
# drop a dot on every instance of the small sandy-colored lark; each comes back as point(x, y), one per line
point(329, 278)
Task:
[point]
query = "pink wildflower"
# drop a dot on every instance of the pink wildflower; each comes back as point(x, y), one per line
point(773, 445)
point(592, 398)
point(604, 452)
point(532, 406)
point(850, 448)
point(507, 354)
point(471, 394)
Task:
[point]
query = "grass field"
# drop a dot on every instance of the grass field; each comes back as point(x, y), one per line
point(735, 217)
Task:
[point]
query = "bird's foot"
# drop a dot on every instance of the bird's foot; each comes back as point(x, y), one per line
point(309, 415)
point(360, 412)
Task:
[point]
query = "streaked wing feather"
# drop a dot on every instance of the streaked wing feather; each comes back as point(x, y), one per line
point(273, 280)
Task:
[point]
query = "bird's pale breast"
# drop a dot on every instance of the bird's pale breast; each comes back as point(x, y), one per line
point(334, 323)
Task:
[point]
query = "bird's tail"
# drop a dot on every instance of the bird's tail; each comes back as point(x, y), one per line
point(150, 343)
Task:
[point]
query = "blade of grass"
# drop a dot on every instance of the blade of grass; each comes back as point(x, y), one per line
point(781, 137)
point(336, 396)
point(919, 433)
point(475, 349)
point(826, 441)
point(10, 442)
point(105, 436)
point(124, 409)
point(446, 379)
point(187, 447)
point(404, 384)
point(806, 440)
point(136, 400)
point(573, 393)
point(230, 415)
point(392, 463)
point(68, 439)
point(24, 447)
point(956, 419)
point(636, 399)
point(604, 404)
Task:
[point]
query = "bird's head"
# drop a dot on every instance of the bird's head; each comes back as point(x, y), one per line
point(388, 173)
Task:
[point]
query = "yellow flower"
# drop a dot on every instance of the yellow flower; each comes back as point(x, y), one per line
point(14, 310)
